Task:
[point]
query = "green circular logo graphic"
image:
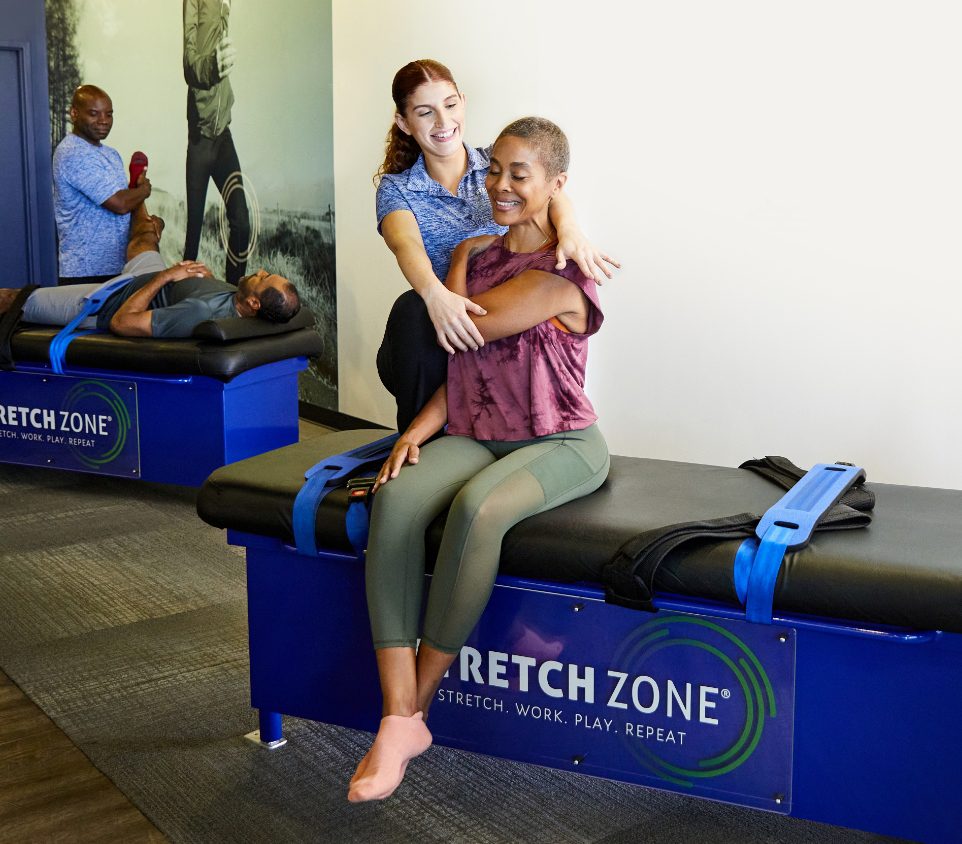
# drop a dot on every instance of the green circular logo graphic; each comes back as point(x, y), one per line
point(87, 393)
point(680, 631)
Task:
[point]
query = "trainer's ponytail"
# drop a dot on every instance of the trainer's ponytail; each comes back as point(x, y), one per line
point(400, 152)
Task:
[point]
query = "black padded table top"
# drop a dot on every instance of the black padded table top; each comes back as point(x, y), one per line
point(190, 356)
point(905, 569)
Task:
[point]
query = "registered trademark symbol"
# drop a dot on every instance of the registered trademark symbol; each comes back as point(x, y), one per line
point(110, 418)
point(726, 694)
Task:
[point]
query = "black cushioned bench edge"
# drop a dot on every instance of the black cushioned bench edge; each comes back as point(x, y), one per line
point(904, 570)
point(189, 356)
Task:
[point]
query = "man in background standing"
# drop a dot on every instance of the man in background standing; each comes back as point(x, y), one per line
point(208, 61)
point(92, 200)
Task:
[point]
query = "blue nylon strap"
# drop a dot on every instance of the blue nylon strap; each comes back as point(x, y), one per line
point(764, 574)
point(92, 304)
point(744, 557)
point(786, 526)
point(356, 523)
point(328, 475)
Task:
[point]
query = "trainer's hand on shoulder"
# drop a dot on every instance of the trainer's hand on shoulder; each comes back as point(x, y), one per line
point(449, 316)
point(590, 261)
point(404, 452)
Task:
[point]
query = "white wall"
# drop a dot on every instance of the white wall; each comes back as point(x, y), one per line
point(781, 180)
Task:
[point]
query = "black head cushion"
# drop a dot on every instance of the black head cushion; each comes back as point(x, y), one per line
point(228, 329)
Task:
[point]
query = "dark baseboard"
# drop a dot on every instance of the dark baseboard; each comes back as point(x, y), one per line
point(333, 418)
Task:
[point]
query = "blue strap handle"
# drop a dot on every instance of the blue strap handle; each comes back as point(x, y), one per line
point(786, 526)
point(92, 304)
point(321, 479)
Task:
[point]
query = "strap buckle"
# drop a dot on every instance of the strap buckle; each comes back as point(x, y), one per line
point(326, 476)
point(359, 489)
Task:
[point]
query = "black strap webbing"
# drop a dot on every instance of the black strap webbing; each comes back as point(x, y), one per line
point(629, 578)
point(781, 471)
point(9, 321)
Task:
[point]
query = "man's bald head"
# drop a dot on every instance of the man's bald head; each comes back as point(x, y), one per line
point(91, 113)
point(85, 93)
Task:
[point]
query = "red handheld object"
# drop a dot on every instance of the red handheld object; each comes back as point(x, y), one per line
point(138, 163)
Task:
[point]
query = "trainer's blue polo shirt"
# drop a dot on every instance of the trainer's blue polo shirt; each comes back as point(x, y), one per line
point(93, 240)
point(444, 220)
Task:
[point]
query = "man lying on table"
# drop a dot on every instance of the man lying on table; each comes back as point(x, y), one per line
point(161, 301)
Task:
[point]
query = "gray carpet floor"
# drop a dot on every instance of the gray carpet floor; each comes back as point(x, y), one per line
point(122, 616)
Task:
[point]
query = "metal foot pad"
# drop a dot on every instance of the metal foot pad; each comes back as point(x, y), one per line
point(266, 745)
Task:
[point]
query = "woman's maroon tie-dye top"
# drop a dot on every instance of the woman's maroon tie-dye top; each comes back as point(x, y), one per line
point(530, 384)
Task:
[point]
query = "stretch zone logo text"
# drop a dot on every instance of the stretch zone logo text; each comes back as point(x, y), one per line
point(47, 419)
point(573, 682)
point(688, 698)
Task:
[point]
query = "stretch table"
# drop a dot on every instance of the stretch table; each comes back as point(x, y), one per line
point(843, 709)
point(168, 411)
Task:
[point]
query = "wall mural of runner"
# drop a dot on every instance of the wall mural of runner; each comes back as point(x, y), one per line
point(234, 112)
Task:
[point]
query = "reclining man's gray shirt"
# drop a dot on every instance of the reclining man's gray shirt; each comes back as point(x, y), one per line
point(179, 306)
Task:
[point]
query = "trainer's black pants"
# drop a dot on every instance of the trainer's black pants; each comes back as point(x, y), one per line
point(410, 362)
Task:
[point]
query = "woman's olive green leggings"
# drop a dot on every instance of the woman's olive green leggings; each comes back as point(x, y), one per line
point(490, 486)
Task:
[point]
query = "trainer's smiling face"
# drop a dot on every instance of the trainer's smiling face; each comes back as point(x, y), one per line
point(434, 117)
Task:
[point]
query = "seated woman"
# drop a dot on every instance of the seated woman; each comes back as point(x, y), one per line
point(521, 439)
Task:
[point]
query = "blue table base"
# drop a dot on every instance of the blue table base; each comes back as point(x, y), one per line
point(847, 724)
point(176, 429)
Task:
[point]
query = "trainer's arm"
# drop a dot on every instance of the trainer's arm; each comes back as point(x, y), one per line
point(133, 316)
point(126, 200)
point(572, 243)
point(447, 310)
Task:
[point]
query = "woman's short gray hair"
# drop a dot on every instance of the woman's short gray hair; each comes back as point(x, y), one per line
point(550, 141)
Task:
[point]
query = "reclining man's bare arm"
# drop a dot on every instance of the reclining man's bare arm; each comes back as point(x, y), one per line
point(133, 316)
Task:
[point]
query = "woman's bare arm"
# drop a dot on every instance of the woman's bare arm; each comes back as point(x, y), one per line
point(457, 280)
point(527, 300)
point(407, 449)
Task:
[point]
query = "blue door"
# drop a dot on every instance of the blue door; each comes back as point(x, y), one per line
point(27, 240)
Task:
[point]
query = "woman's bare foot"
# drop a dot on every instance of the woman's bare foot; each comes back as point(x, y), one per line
point(399, 739)
point(361, 767)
